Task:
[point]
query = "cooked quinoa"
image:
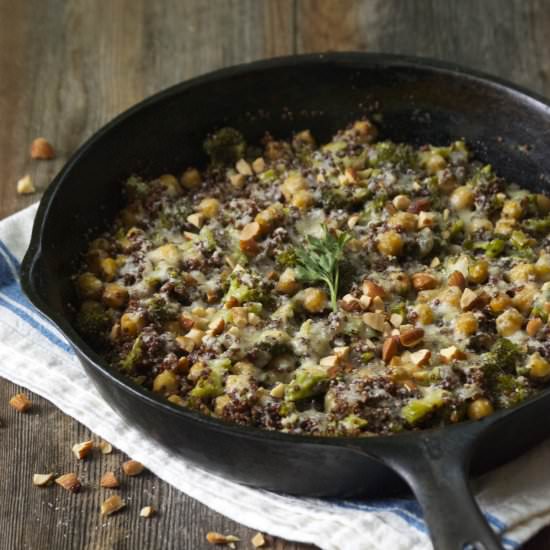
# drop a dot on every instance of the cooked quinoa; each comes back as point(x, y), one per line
point(360, 287)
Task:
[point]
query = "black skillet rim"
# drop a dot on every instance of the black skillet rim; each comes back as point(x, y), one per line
point(33, 253)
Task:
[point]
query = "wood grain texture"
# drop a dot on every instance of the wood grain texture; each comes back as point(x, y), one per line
point(66, 68)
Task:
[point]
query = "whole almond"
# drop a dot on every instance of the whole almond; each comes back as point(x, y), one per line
point(410, 337)
point(41, 149)
point(389, 349)
point(457, 279)
point(424, 281)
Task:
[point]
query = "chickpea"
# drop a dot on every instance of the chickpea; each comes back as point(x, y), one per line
point(196, 371)
point(209, 207)
point(131, 324)
point(466, 323)
point(512, 209)
point(170, 184)
point(539, 368)
point(287, 283)
point(314, 299)
point(221, 402)
point(89, 286)
point(462, 198)
point(505, 226)
point(303, 199)
point(500, 303)
point(401, 202)
point(390, 243)
point(406, 220)
point(434, 163)
point(521, 273)
point(425, 314)
point(109, 268)
point(509, 322)
point(543, 203)
point(292, 185)
point(480, 408)
point(191, 178)
point(267, 218)
point(165, 382)
point(542, 268)
point(481, 224)
point(479, 272)
point(115, 296)
point(523, 300)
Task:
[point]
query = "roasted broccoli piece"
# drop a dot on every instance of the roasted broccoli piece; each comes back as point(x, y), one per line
point(225, 147)
point(308, 381)
point(504, 357)
point(508, 390)
point(387, 152)
point(211, 385)
point(93, 322)
point(417, 410)
point(136, 188)
point(160, 310)
point(128, 364)
point(537, 226)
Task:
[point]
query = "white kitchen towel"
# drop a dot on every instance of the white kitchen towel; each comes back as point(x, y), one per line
point(515, 498)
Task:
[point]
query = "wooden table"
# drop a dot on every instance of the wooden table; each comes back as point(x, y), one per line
point(67, 67)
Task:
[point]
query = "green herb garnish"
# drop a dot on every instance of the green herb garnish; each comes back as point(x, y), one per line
point(319, 261)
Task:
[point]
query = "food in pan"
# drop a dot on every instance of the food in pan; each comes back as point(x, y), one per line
point(357, 288)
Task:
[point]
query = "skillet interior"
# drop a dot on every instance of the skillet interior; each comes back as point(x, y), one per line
point(420, 102)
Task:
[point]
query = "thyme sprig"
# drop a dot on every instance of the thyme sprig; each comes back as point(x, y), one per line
point(318, 260)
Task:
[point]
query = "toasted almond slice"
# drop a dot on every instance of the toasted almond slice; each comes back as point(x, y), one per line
point(147, 512)
point(218, 538)
point(112, 505)
point(70, 482)
point(82, 450)
point(258, 540)
point(41, 480)
point(109, 480)
point(132, 467)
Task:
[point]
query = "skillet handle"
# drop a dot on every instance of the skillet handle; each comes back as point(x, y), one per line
point(436, 469)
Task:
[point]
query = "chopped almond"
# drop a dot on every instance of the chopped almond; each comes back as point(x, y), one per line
point(41, 149)
point(243, 168)
point(41, 480)
point(25, 185)
point(452, 353)
point(147, 512)
point(329, 361)
point(109, 480)
point(112, 505)
point(218, 538)
point(82, 450)
point(372, 289)
point(396, 320)
point(105, 448)
point(410, 337)
point(374, 321)
point(421, 357)
point(196, 219)
point(20, 402)
point(258, 540)
point(389, 349)
point(132, 467)
point(69, 482)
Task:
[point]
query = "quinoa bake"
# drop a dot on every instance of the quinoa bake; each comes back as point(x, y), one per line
point(355, 288)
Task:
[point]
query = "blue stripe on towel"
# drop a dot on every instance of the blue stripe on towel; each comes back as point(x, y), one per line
point(407, 509)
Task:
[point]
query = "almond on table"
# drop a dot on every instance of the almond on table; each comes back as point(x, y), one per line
point(41, 149)
point(69, 482)
point(132, 467)
point(20, 402)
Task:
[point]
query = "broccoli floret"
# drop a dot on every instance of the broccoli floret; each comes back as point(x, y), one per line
point(417, 410)
point(129, 363)
point(136, 188)
point(212, 384)
point(93, 322)
point(286, 258)
point(246, 286)
point(225, 147)
point(159, 310)
point(387, 152)
point(537, 226)
point(503, 358)
point(495, 247)
point(508, 390)
point(308, 381)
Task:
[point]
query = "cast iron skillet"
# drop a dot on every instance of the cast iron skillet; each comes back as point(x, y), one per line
point(421, 101)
